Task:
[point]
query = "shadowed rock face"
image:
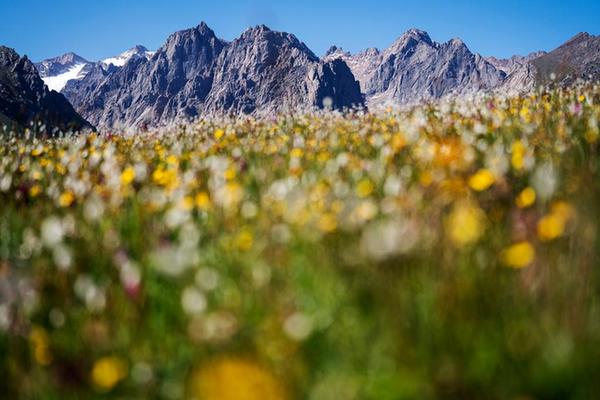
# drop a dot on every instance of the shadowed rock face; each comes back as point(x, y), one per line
point(24, 98)
point(195, 73)
point(578, 58)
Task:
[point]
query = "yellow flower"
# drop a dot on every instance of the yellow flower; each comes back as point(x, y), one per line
point(39, 341)
point(107, 372)
point(465, 224)
point(518, 155)
point(172, 160)
point(235, 379)
point(35, 190)
point(296, 152)
point(524, 113)
point(519, 255)
point(327, 223)
point(202, 201)
point(482, 180)
point(553, 225)
point(230, 173)
point(127, 176)
point(364, 188)
point(66, 199)
point(219, 133)
point(526, 198)
point(167, 178)
point(550, 227)
point(426, 178)
point(186, 203)
point(244, 240)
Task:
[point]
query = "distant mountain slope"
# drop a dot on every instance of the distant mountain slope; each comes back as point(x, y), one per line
point(59, 71)
point(521, 75)
point(577, 58)
point(416, 68)
point(196, 73)
point(24, 97)
point(510, 65)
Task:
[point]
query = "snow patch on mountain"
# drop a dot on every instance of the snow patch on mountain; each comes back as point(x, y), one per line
point(58, 82)
point(123, 58)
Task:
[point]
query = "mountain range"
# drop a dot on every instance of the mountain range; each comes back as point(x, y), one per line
point(195, 73)
point(57, 72)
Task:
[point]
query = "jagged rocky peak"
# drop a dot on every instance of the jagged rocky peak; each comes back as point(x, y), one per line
point(69, 58)
point(335, 52)
point(457, 42)
point(139, 49)
point(410, 38)
point(191, 41)
point(580, 37)
point(262, 39)
point(416, 68)
point(371, 52)
point(61, 64)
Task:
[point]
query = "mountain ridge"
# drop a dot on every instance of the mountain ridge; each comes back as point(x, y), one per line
point(196, 73)
point(263, 71)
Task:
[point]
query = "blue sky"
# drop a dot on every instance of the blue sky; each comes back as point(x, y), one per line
point(97, 29)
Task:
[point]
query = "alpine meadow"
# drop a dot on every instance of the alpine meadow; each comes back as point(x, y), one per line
point(245, 220)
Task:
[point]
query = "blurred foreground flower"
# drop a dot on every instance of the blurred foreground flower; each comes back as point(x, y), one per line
point(107, 372)
point(518, 255)
point(465, 224)
point(235, 379)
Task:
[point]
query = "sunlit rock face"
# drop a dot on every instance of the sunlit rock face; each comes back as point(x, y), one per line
point(415, 68)
point(195, 73)
point(24, 98)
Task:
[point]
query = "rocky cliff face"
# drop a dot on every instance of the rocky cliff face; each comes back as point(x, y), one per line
point(195, 73)
point(24, 98)
point(268, 71)
point(416, 68)
point(521, 75)
point(578, 58)
point(173, 84)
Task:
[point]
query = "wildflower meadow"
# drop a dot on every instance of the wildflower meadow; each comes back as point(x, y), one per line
point(447, 250)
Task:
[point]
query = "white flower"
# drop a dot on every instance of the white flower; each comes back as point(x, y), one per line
point(193, 301)
point(52, 231)
point(298, 326)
